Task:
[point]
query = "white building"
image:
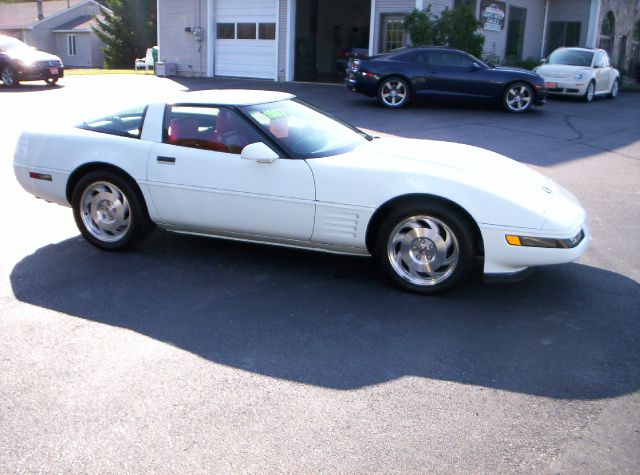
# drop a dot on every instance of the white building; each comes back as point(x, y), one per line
point(301, 39)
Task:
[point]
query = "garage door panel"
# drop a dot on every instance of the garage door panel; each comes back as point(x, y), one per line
point(242, 57)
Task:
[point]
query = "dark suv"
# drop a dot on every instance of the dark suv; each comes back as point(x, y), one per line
point(20, 62)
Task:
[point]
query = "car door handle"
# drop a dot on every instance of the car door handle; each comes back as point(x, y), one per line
point(162, 159)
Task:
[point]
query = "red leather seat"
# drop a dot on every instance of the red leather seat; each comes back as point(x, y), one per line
point(183, 131)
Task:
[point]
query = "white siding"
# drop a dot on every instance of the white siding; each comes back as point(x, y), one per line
point(245, 58)
point(496, 41)
point(283, 35)
point(178, 46)
point(571, 10)
point(387, 7)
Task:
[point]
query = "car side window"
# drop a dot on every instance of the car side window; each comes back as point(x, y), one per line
point(210, 128)
point(418, 57)
point(600, 60)
point(449, 59)
point(125, 124)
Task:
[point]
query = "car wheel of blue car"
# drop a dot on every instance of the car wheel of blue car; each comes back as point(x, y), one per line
point(393, 93)
point(518, 97)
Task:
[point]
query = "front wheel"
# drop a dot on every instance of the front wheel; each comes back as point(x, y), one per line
point(518, 97)
point(615, 89)
point(9, 77)
point(108, 211)
point(590, 93)
point(425, 249)
point(393, 93)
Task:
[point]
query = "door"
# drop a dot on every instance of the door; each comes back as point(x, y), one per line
point(199, 182)
point(602, 72)
point(453, 74)
point(245, 44)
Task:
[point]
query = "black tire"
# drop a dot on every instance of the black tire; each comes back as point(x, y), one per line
point(518, 97)
point(590, 93)
point(615, 89)
point(394, 93)
point(9, 77)
point(131, 208)
point(394, 258)
point(51, 81)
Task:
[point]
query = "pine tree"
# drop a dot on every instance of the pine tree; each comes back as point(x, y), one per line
point(127, 31)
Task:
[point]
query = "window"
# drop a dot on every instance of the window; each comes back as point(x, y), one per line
point(209, 128)
point(246, 31)
point(515, 33)
point(267, 31)
point(601, 60)
point(125, 124)
point(563, 33)
point(607, 32)
point(393, 34)
point(226, 31)
point(448, 59)
point(71, 45)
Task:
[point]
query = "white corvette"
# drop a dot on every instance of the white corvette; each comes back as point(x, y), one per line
point(265, 167)
point(580, 72)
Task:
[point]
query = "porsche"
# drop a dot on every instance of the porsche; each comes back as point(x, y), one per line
point(266, 167)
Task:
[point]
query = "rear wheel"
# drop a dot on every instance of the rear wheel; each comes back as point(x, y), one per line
point(518, 97)
point(9, 77)
point(109, 212)
point(425, 248)
point(393, 93)
point(51, 81)
point(590, 93)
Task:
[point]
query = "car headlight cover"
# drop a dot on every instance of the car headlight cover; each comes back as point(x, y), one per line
point(531, 241)
point(580, 76)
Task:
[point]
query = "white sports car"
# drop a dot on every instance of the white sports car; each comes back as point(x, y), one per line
point(580, 72)
point(266, 167)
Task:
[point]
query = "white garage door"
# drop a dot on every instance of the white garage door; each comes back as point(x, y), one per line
point(245, 42)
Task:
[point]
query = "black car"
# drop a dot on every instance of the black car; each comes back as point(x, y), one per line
point(20, 62)
point(435, 72)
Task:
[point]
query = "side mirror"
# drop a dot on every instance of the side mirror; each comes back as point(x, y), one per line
point(543, 60)
point(258, 152)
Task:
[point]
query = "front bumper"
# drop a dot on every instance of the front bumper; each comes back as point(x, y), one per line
point(566, 86)
point(40, 73)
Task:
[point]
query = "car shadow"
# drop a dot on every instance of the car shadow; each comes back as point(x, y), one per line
point(29, 87)
point(570, 331)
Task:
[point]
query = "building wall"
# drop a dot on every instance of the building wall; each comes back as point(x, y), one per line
point(84, 52)
point(627, 14)
point(392, 6)
point(283, 38)
point(571, 10)
point(178, 46)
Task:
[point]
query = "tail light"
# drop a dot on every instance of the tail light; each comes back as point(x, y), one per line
point(355, 65)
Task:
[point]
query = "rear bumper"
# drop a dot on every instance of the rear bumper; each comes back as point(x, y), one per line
point(367, 86)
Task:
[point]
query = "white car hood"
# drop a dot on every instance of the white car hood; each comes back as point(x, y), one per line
point(560, 70)
point(491, 187)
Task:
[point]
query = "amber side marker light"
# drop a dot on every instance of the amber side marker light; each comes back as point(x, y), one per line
point(40, 176)
point(514, 240)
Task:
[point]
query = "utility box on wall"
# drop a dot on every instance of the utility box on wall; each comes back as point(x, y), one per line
point(165, 69)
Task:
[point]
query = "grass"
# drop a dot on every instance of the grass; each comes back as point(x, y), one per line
point(95, 72)
point(629, 86)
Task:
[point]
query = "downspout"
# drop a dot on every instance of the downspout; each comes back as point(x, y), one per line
point(592, 29)
point(372, 22)
point(544, 29)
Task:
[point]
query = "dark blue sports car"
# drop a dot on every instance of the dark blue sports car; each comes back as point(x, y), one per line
point(435, 72)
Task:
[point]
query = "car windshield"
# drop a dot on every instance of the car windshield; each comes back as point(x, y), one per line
point(571, 57)
point(7, 44)
point(304, 131)
point(126, 123)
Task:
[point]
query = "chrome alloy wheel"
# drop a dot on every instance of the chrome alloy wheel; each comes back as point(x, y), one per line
point(8, 77)
point(591, 92)
point(393, 92)
point(519, 98)
point(615, 89)
point(105, 211)
point(423, 250)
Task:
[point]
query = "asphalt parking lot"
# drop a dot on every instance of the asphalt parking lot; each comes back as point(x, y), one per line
point(200, 355)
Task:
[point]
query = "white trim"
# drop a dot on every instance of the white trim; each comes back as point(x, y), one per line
point(291, 38)
point(72, 45)
point(70, 31)
point(419, 5)
point(275, 78)
point(210, 39)
point(372, 20)
point(592, 27)
point(158, 36)
point(544, 29)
